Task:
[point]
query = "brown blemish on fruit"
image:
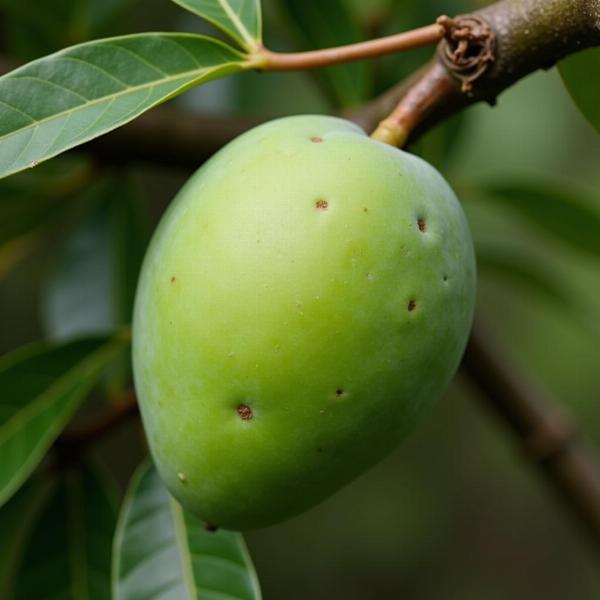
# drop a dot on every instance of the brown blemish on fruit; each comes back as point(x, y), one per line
point(411, 305)
point(173, 279)
point(422, 225)
point(321, 204)
point(210, 527)
point(315, 139)
point(339, 392)
point(365, 209)
point(245, 412)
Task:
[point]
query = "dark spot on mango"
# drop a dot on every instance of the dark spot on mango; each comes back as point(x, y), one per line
point(245, 412)
point(411, 305)
point(321, 204)
point(422, 225)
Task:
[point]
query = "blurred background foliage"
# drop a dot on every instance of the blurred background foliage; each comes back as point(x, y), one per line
point(455, 513)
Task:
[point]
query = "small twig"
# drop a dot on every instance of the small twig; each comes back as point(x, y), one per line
point(114, 415)
point(547, 434)
point(417, 38)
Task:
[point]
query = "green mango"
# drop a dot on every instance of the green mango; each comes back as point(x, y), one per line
point(306, 297)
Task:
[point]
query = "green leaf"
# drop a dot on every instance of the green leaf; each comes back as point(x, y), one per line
point(241, 20)
point(580, 74)
point(17, 518)
point(553, 209)
point(525, 272)
point(321, 24)
point(528, 273)
point(161, 551)
point(77, 297)
point(68, 556)
point(31, 203)
point(22, 216)
point(42, 386)
point(130, 234)
point(67, 98)
point(92, 286)
point(28, 203)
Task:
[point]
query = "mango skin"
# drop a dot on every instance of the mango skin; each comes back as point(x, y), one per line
point(304, 300)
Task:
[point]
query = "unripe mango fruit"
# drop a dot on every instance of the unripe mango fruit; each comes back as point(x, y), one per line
point(305, 298)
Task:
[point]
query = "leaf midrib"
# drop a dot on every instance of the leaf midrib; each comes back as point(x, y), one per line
point(183, 547)
point(111, 97)
point(246, 35)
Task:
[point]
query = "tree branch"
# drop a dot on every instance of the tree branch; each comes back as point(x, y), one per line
point(546, 432)
point(528, 35)
point(114, 415)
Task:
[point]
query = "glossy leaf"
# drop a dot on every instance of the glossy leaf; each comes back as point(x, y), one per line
point(555, 210)
point(31, 205)
point(321, 24)
point(68, 555)
point(17, 518)
point(42, 386)
point(241, 20)
point(27, 203)
point(130, 234)
point(67, 98)
point(163, 552)
point(77, 297)
point(580, 74)
point(530, 274)
point(525, 272)
point(91, 288)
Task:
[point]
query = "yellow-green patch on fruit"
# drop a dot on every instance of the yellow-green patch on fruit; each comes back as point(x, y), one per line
point(306, 297)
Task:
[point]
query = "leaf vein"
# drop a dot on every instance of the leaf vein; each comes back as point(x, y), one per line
point(140, 57)
point(186, 51)
point(90, 64)
point(52, 83)
point(18, 110)
point(24, 149)
point(183, 75)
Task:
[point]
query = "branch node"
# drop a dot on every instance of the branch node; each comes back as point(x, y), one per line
point(468, 48)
